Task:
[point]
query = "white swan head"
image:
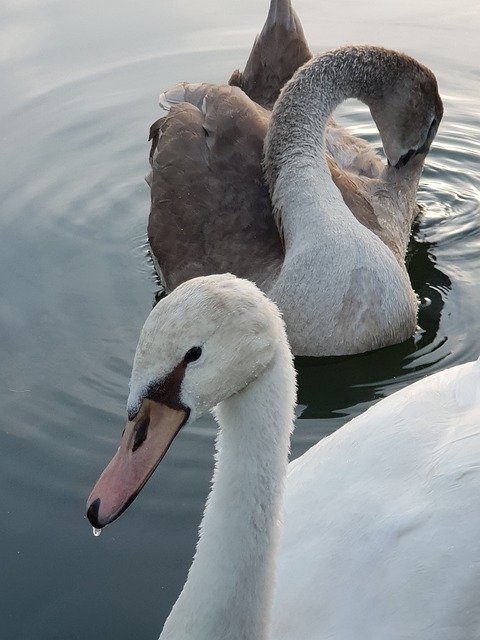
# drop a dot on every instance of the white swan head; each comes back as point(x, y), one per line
point(200, 345)
point(210, 330)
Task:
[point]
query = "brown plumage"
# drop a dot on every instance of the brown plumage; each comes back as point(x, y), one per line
point(209, 200)
point(278, 51)
point(342, 286)
point(220, 159)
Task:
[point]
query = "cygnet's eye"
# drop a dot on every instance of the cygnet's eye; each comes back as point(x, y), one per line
point(192, 354)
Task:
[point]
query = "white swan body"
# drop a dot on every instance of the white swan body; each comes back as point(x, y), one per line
point(381, 524)
point(380, 521)
point(344, 218)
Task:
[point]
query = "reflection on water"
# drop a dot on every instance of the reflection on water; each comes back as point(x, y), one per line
point(78, 284)
point(330, 387)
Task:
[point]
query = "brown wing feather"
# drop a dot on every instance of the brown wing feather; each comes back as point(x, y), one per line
point(385, 204)
point(210, 210)
point(353, 197)
point(279, 50)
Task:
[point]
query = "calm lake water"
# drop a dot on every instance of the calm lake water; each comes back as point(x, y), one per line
point(79, 91)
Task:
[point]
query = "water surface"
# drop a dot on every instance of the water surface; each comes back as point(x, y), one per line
point(79, 87)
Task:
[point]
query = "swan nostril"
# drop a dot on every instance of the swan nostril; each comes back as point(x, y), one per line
point(92, 514)
point(140, 432)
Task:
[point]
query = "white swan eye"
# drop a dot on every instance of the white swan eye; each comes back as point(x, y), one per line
point(192, 354)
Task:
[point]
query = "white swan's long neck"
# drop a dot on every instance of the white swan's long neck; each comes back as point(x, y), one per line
point(229, 590)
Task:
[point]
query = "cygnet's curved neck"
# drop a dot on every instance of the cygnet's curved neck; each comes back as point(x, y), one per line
point(230, 585)
point(295, 164)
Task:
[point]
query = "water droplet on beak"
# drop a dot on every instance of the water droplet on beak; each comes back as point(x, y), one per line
point(96, 532)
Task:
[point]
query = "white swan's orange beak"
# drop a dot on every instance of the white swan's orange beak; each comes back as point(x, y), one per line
point(144, 442)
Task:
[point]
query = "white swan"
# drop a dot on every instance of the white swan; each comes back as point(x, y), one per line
point(381, 524)
point(338, 274)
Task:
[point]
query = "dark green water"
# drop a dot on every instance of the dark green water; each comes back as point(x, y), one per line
point(80, 82)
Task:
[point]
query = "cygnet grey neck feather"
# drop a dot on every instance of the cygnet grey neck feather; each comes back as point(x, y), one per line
point(296, 135)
